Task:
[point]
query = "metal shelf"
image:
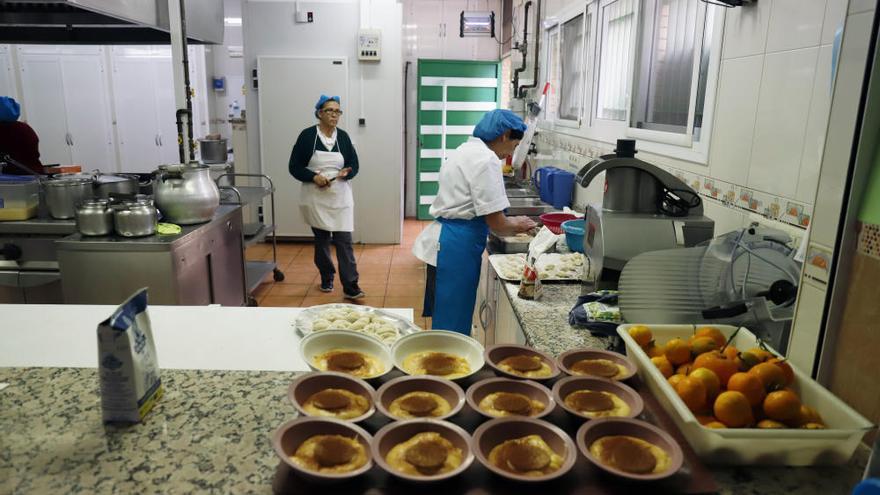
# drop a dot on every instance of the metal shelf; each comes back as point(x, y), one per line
point(259, 235)
point(255, 272)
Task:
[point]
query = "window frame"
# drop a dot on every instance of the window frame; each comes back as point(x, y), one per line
point(607, 129)
point(555, 26)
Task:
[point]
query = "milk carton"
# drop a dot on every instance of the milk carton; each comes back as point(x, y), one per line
point(127, 364)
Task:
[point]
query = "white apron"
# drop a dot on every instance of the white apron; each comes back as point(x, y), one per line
point(330, 208)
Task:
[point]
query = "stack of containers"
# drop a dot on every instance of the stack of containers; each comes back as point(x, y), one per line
point(555, 186)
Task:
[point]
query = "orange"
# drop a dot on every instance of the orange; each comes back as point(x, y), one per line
point(769, 424)
point(730, 352)
point(663, 365)
point(786, 369)
point(684, 369)
point(704, 418)
point(712, 333)
point(771, 376)
point(692, 392)
point(761, 354)
point(813, 426)
point(805, 415)
point(674, 379)
point(717, 425)
point(732, 408)
point(699, 345)
point(750, 386)
point(641, 334)
point(710, 380)
point(782, 405)
point(748, 360)
point(678, 351)
point(653, 350)
point(722, 367)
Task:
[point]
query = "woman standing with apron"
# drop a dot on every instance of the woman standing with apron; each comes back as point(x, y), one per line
point(324, 160)
point(470, 202)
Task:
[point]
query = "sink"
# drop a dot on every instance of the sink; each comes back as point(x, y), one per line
point(531, 207)
point(521, 192)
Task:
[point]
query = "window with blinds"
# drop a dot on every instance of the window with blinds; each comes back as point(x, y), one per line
point(571, 83)
point(617, 23)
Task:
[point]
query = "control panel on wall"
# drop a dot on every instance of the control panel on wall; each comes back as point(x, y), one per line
point(369, 44)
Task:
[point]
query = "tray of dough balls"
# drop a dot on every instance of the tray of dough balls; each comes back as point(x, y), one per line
point(383, 325)
point(552, 267)
point(754, 408)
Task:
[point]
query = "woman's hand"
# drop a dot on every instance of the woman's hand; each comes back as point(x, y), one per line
point(320, 180)
point(343, 173)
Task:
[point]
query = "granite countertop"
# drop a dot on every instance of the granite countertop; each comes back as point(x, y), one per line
point(210, 434)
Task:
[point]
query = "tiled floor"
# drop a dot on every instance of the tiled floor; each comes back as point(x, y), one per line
point(389, 274)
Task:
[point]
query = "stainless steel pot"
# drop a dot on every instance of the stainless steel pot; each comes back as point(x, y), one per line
point(64, 193)
point(94, 217)
point(107, 185)
point(213, 150)
point(135, 219)
point(186, 194)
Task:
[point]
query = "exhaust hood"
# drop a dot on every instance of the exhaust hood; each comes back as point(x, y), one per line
point(106, 22)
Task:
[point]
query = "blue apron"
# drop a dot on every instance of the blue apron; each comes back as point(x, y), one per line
point(462, 243)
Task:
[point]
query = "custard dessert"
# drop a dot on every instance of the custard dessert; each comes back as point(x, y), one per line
point(336, 403)
point(330, 454)
point(630, 454)
point(351, 362)
point(500, 404)
point(526, 456)
point(419, 405)
point(437, 364)
point(525, 366)
point(596, 404)
point(603, 368)
point(425, 454)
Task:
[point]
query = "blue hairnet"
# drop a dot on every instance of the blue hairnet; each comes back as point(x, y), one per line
point(324, 99)
point(10, 110)
point(496, 123)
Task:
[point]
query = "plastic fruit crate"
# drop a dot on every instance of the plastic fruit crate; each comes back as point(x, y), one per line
point(752, 446)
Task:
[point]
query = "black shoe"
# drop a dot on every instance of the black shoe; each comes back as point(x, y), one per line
point(327, 286)
point(356, 293)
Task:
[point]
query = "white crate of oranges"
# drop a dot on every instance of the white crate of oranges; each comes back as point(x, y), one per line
point(737, 401)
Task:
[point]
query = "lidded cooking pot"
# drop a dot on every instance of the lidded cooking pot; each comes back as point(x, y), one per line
point(135, 218)
point(64, 193)
point(185, 194)
point(94, 217)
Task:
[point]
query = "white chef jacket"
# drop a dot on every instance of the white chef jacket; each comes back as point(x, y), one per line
point(471, 185)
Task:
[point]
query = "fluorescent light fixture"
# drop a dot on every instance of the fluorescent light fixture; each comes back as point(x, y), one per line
point(477, 24)
point(232, 21)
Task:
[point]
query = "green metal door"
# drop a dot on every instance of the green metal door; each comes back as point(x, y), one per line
point(453, 95)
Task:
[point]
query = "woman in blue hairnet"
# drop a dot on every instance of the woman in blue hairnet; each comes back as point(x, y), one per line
point(471, 201)
point(324, 160)
point(18, 139)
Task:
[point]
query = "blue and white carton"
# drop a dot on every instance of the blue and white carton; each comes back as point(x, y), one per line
point(127, 363)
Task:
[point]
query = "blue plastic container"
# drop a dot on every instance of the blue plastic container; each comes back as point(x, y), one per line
point(574, 234)
point(542, 182)
point(561, 186)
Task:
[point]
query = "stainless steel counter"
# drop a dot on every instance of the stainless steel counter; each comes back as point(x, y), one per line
point(39, 226)
point(204, 264)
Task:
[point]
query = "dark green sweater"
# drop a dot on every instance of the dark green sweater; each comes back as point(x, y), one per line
point(306, 144)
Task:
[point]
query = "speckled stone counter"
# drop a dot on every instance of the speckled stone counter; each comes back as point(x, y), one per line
point(210, 434)
point(545, 322)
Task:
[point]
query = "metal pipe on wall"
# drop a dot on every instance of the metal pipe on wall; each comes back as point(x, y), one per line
point(182, 89)
point(524, 50)
point(535, 50)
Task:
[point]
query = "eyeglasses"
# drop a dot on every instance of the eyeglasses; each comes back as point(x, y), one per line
point(331, 111)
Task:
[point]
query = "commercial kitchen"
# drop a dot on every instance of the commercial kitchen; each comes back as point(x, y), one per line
point(679, 200)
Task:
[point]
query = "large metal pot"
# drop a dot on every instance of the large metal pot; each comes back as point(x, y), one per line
point(64, 193)
point(135, 219)
point(107, 185)
point(213, 150)
point(186, 194)
point(94, 217)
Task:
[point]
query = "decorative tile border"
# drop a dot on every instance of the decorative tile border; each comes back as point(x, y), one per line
point(869, 240)
point(733, 196)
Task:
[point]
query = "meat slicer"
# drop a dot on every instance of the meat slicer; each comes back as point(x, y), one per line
point(644, 208)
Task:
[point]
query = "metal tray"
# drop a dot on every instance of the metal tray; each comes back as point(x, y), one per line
point(551, 258)
point(303, 323)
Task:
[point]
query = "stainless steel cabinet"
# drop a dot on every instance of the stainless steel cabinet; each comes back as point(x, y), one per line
point(494, 320)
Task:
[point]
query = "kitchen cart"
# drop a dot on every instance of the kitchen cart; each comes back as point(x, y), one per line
point(254, 231)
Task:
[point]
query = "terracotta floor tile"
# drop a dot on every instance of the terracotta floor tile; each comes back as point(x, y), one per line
point(373, 269)
point(263, 290)
point(289, 290)
point(373, 290)
point(315, 290)
point(405, 302)
point(304, 277)
point(281, 301)
point(373, 278)
point(405, 290)
point(375, 302)
point(408, 269)
point(406, 278)
point(428, 321)
point(318, 300)
point(384, 260)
